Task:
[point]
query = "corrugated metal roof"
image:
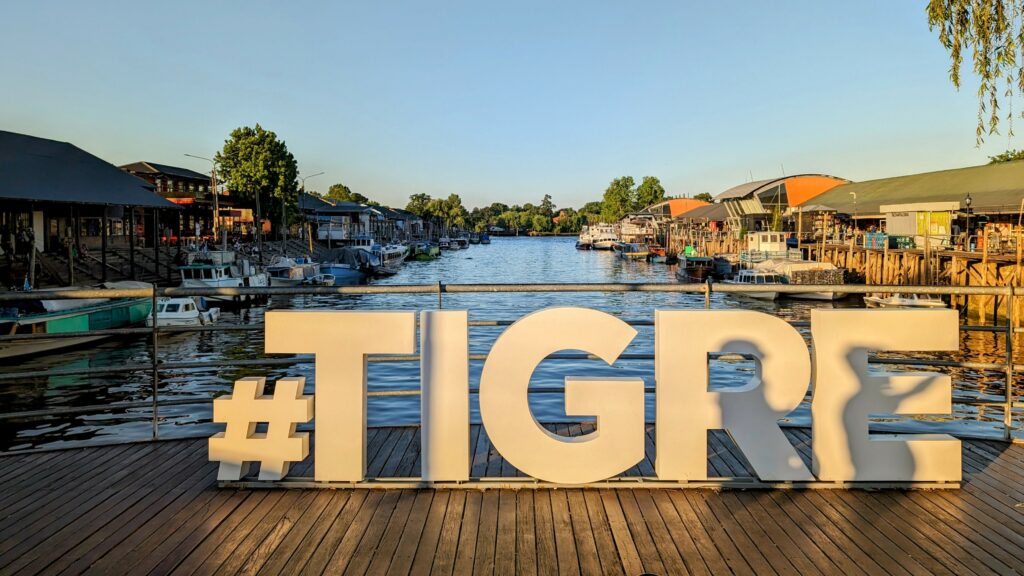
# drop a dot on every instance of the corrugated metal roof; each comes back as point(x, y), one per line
point(38, 169)
point(712, 212)
point(745, 189)
point(993, 188)
point(145, 167)
point(314, 203)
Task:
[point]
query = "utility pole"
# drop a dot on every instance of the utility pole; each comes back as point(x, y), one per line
point(302, 190)
point(216, 203)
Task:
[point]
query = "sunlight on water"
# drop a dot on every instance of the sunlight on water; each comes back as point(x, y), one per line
point(506, 260)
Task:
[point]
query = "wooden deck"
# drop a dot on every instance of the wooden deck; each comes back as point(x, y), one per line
point(155, 508)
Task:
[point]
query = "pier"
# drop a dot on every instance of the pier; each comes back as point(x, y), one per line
point(155, 507)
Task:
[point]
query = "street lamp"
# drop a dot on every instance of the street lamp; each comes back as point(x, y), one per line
point(855, 223)
point(967, 202)
point(284, 219)
point(216, 202)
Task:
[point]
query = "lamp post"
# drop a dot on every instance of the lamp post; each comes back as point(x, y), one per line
point(855, 223)
point(967, 202)
point(216, 202)
point(302, 189)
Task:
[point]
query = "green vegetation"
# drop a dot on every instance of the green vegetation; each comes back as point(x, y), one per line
point(993, 33)
point(258, 167)
point(1008, 156)
point(704, 197)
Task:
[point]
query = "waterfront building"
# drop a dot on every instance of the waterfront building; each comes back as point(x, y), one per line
point(78, 213)
point(760, 205)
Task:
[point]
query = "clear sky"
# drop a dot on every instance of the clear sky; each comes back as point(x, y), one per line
point(498, 101)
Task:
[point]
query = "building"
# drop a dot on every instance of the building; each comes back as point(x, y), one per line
point(674, 207)
point(57, 198)
point(760, 205)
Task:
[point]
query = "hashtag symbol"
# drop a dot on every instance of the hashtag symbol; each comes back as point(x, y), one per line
point(240, 444)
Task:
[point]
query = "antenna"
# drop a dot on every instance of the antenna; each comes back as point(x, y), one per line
point(751, 174)
point(783, 167)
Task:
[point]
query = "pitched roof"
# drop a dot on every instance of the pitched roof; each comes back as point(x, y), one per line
point(173, 171)
point(314, 203)
point(44, 170)
point(712, 212)
point(993, 188)
point(677, 206)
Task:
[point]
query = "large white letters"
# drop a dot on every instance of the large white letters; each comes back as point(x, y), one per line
point(618, 403)
point(444, 400)
point(846, 392)
point(340, 341)
point(686, 410)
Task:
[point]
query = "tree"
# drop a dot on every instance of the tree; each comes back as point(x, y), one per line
point(993, 33)
point(547, 207)
point(541, 223)
point(619, 198)
point(418, 204)
point(649, 192)
point(341, 193)
point(704, 197)
point(1008, 156)
point(256, 166)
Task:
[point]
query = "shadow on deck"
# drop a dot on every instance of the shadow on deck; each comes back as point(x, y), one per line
point(155, 508)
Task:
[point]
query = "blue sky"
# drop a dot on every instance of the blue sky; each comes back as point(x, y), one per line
point(499, 101)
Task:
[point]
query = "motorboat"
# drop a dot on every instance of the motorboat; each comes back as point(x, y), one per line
point(461, 242)
point(445, 243)
point(40, 316)
point(604, 236)
point(797, 272)
point(658, 254)
point(903, 301)
point(485, 238)
point(223, 269)
point(584, 241)
point(695, 269)
point(632, 251)
point(184, 311)
point(474, 238)
point(347, 265)
point(423, 250)
point(747, 277)
point(384, 260)
point(286, 271)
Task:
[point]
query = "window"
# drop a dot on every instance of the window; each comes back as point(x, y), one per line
point(173, 307)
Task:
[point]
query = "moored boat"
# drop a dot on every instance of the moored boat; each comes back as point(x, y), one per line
point(220, 269)
point(423, 251)
point(445, 243)
point(485, 238)
point(694, 269)
point(748, 277)
point(903, 301)
point(35, 316)
point(347, 265)
point(286, 271)
point(474, 238)
point(182, 312)
point(633, 251)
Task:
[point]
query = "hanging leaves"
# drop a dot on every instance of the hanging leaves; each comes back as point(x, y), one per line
point(992, 32)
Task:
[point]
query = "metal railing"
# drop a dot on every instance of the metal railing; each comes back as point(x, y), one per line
point(155, 367)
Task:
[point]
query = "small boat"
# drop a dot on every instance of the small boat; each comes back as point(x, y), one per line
point(461, 242)
point(485, 238)
point(603, 236)
point(747, 277)
point(223, 270)
point(320, 280)
point(183, 312)
point(585, 241)
point(581, 245)
point(34, 316)
point(695, 269)
point(474, 238)
point(804, 272)
point(445, 243)
point(903, 301)
point(658, 254)
point(423, 251)
point(347, 265)
point(632, 251)
point(285, 271)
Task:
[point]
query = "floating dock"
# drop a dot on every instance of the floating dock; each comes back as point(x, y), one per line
point(155, 507)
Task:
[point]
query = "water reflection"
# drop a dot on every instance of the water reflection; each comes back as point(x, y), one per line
point(506, 260)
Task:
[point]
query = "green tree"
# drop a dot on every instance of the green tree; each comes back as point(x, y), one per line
point(1008, 156)
point(257, 166)
point(540, 223)
point(619, 198)
point(509, 220)
point(704, 197)
point(341, 193)
point(992, 32)
point(418, 204)
point(547, 207)
point(649, 192)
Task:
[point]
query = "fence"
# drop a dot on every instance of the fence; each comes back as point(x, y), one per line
point(1008, 368)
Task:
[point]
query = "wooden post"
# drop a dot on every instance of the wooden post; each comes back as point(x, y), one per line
point(131, 241)
point(103, 243)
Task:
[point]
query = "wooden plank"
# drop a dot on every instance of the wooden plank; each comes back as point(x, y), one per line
point(406, 546)
point(486, 535)
point(451, 528)
point(602, 532)
point(526, 534)
point(547, 555)
point(466, 550)
point(317, 549)
point(505, 545)
point(431, 535)
point(379, 557)
point(645, 544)
point(257, 547)
point(321, 513)
point(356, 549)
point(586, 547)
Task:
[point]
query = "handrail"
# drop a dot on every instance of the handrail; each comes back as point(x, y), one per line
point(156, 367)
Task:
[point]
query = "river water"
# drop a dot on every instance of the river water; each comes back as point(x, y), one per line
point(506, 260)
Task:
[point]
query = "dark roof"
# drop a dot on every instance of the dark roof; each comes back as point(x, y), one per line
point(993, 187)
point(711, 212)
point(313, 203)
point(164, 169)
point(44, 170)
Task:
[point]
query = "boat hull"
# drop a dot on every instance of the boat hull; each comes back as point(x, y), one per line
point(814, 295)
point(102, 316)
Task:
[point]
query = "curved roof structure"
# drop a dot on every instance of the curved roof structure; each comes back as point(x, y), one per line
point(799, 187)
point(673, 207)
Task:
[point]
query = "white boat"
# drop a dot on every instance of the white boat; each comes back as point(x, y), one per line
point(797, 272)
point(903, 301)
point(384, 260)
point(749, 277)
point(445, 243)
point(285, 271)
point(221, 269)
point(182, 312)
point(461, 242)
point(604, 236)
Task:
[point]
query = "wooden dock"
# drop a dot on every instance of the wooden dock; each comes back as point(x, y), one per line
point(156, 508)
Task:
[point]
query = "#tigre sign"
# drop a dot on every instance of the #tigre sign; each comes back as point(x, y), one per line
point(845, 393)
